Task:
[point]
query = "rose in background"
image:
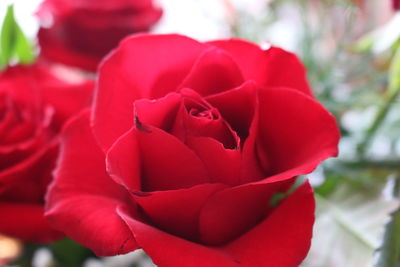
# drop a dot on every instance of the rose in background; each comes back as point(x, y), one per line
point(34, 104)
point(396, 4)
point(189, 146)
point(81, 33)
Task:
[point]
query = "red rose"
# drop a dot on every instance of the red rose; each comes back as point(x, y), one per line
point(33, 106)
point(188, 145)
point(83, 32)
point(396, 4)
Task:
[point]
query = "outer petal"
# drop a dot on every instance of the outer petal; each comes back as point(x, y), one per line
point(82, 199)
point(67, 99)
point(229, 213)
point(272, 67)
point(275, 242)
point(27, 222)
point(143, 66)
point(28, 180)
point(295, 132)
point(170, 251)
point(283, 238)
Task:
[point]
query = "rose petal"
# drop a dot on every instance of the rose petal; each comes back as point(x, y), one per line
point(17, 182)
point(123, 162)
point(228, 102)
point(170, 251)
point(100, 229)
point(202, 120)
point(38, 86)
point(273, 67)
point(274, 242)
point(14, 218)
point(81, 183)
point(223, 165)
point(283, 238)
point(245, 122)
point(215, 71)
point(15, 152)
point(160, 113)
point(144, 66)
point(67, 99)
point(230, 212)
point(252, 168)
point(177, 211)
point(294, 137)
point(167, 163)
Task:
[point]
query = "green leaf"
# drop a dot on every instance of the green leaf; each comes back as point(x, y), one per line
point(14, 45)
point(349, 226)
point(328, 186)
point(23, 47)
point(7, 36)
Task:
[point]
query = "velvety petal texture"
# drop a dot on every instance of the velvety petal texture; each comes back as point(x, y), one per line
point(20, 214)
point(187, 147)
point(73, 32)
point(274, 242)
point(34, 104)
point(76, 190)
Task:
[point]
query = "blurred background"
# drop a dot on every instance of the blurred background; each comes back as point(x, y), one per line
point(351, 50)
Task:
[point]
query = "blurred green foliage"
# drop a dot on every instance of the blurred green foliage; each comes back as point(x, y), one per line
point(15, 47)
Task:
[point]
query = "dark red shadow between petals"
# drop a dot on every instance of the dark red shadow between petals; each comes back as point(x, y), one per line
point(177, 211)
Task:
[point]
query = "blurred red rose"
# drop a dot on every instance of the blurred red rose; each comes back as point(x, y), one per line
point(188, 145)
point(34, 104)
point(82, 32)
point(396, 4)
